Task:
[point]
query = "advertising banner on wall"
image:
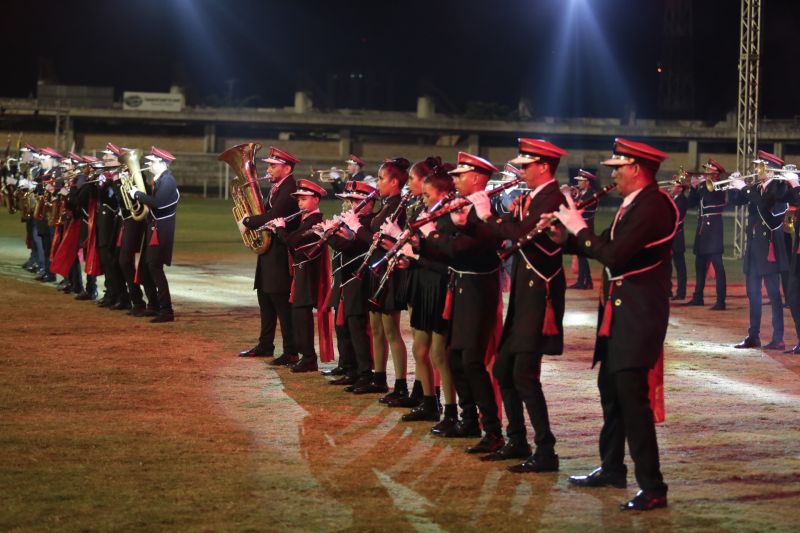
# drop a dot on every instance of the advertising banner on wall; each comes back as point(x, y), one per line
point(138, 101)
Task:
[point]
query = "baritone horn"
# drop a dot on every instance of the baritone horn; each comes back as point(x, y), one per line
point(133, 179)
point(246, 192)
point(331, 175)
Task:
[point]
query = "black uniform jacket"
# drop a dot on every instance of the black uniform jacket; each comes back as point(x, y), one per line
point(306, 273)
point(475, 279)
point(83, 192)
point(106, 221)
point(590, 212)
point(708, 237)
point(793, 197)
point(272, 268)
point(356, 291)
point(636, 278)
point(522, 329)
point(765, 211)
point(163, 204)
point(679, 242)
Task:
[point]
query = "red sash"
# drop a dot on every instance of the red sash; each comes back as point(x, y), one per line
point(655, 380)
point(93, 266)
point(67, 251)
point(324, 315)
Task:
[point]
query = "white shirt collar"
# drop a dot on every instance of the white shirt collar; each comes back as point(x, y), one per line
point(628, 200)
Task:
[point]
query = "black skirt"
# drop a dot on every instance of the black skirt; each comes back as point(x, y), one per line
point(426, 296)
point(393, 295)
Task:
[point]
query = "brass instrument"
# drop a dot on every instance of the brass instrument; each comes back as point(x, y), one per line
point(246, 193)
point(573, 191)
point(133, 179)
point(38, 207)
point(27, 203)
point(790, 219)
point(52, 205)
point(331, 175)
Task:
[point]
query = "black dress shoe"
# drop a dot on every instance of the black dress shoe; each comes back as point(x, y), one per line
point(488, 444)
point(409, 402)
point(371, 388)
point(749, 342)
point(536, 464)
point(163, 317)
point(143, 311)
point(255, 351)
point(122, 305)
point(719, 306)
point(344, 380)
point(61, 284)
point(86, 296)
point(795, 350)
point(67, 289)
point(105, 302)
point(577, 286)
point(447, 424)
point(678, 297)
point(306, 364)
point(285, 360)
point(599, 478)
point(360, 382)
point(694, 301)
point(462, 431)
point(335, 371)
point(511, 450)
point(421, 413)
point(644, 502)
point(775, 345)
point(395, 395)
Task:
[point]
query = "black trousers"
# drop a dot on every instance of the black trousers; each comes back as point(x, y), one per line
point(76, 279)
point(276, 307)
point(519, 377)
point(131, 243)
point(303, 324)
point(793, 299)
point(679, 260)
point(115, 283)
point(584, 273)
point(474, 387)
point(701, 268)
point(154, 281)
point(354, 346)
point(627, 415)
point(772, 283)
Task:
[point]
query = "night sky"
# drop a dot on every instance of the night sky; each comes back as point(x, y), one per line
point(566, 57)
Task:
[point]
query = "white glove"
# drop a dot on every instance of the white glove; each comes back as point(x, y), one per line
point(351, 221)
point(132, 192)
point(735, 175)
point(23, 183)
point(64, 191)
point(408, 251)
point(738, 184)
point(571, 218)
point(460, 216)
point(391, 229)
point(279, 222)
point(11, 180)
point(242, 227)
point(101, 179)
point(427, 229)
point(483, 207)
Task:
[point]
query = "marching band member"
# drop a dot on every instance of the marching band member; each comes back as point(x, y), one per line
point(160, 230)
point(273, 279)
point(87, 199)
point(586, 184)
point(533, 325)
point(679, 242)
point(632, 322)
point(107, 228)
point(384, 316)
point(310, 280)
point(765, 251)
point(709, 239)
point(475, 295)
point(350, 294)
point(793, 289)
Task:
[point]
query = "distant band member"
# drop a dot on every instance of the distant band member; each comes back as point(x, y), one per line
point(587, 183)
point(679, 242)
point(633, 317)
point(160, 231)
point(273, 279)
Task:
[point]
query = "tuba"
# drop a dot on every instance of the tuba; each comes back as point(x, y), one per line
point(246, 192)
point(134, 179)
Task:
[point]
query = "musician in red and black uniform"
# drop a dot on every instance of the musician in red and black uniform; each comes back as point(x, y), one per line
point(533, 325)
point(350, 300)
point(633, 317)
point(679, 242)
point(709, 236)
point(766, 256)
point(82, 195)
point(586, 183)
point(793, 285)
point(310, 273)
point(384, 315)
point(475, 292)
point(273, 279)
point(107, 226)
point(160, 231)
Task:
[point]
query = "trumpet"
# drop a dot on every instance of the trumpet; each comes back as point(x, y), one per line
point(686, 181)
point(331, 175)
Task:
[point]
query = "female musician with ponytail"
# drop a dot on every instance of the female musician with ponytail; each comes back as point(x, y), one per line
point(384, 316)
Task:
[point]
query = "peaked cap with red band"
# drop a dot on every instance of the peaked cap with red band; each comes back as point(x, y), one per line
point(473, 163)
point(113, 149)
point(278, 156)
point(531, 150)
point(771, 160)
point(353, 159)
point(29, 148)
point(50, 152)
point(308, 188)
point(585, 175)
point(714, 167)
point(627, 152)
point(158, 153)
point(356, 190)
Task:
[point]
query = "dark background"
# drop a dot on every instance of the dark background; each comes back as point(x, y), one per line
point(566, 57)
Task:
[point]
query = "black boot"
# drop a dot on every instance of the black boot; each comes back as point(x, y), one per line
point(400, 392)
point(412, 400)
point(427, 410)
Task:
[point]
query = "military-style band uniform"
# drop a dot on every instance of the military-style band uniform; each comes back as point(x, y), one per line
point(679, 247)
point(584, 272)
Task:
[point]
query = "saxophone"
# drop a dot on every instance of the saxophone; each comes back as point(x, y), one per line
point(246, 193)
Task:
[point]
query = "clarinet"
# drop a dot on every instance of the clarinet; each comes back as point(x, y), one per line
point(330, 232)
point(269, 226)
point(535, 232)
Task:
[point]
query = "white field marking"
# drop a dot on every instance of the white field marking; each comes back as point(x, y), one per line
point(412, 459)
point(365, 443)
point(488, 490)
point(741, 389)
point(407, 432)
point(522, 496)
point(579, 319)
point(706, 347)
point(330, 440)
point(433, 465)
point(411, 503)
